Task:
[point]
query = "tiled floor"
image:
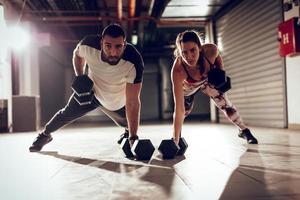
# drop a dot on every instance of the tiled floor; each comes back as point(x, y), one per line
point(85, 162)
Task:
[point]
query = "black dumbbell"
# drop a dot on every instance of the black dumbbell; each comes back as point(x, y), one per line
point(83, 89)
point(182, 146)
point(125, 146)
point(217, 77)
point(141, 149)
point(225, 87)
point(169, 149)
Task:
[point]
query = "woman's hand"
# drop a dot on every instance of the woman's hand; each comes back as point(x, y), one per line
point(176, 141)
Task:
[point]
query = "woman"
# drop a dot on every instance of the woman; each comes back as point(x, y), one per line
point(189, 75)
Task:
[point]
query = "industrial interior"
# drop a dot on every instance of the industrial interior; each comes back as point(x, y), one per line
point(259, 43)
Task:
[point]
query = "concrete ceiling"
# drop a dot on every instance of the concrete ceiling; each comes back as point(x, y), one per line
point(70, 20)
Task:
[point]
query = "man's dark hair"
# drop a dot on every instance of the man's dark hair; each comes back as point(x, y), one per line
point(114, 30)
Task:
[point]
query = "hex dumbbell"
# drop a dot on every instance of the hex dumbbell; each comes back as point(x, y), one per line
point(141, 149)
point(169, 149)
point(182, 146)
point(226, 86)
point(217, 77)
point(83, 90)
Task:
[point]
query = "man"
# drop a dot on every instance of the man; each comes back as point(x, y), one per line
point(116, 68)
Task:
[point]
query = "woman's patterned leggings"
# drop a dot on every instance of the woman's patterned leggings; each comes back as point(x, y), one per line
point(221, 101)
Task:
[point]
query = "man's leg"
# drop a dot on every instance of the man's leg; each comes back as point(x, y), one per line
point(119, 117)
point(223, 103)
point(68, 114)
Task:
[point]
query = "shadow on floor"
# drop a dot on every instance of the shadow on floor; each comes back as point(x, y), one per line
point(159, 171)
point(248, 181)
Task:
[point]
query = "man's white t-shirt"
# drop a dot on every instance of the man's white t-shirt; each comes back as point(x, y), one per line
point(110, 80)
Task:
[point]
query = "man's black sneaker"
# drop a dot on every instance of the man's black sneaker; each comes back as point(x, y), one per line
point(39, 142)
point(124, 135)
point(246, 134)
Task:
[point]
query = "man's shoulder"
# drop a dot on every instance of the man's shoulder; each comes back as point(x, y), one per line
point(131, 54)
point(130, 49)
point(91, 41)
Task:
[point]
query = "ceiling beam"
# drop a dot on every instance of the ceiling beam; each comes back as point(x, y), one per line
point(89, 19)
point(131, 14)
point(181, 21)
point(14, 10)
point(119, 10)
point(82, 18)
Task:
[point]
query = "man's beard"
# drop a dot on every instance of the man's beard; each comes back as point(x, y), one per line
point(112, 60)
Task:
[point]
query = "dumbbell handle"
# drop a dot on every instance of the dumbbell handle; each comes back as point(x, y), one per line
point(82, 85)
point(82, 94)
point(83, 103)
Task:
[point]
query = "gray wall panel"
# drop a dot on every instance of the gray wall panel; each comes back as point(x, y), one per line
point(247, 38)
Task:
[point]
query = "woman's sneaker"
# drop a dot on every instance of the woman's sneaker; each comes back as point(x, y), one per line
point(246, 134)
point(40, 141)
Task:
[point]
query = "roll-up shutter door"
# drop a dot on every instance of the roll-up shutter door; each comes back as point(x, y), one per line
point(247, 38)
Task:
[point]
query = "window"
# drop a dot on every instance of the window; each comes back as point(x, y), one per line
point(186, 8)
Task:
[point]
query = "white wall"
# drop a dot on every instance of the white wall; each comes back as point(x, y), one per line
point(293, 80)
point(5, 80)
point(28, 64)
point(29, 73)
point(5, 68)
point(209, 38)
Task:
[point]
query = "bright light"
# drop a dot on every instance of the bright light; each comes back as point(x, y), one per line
point(186, 8)
point(2, 23)
point(12, 37)
point(134, 39)
point(3, 42)
point(18, 37)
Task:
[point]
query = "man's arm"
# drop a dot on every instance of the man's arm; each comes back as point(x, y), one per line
point(133, 105)
point(78, 62)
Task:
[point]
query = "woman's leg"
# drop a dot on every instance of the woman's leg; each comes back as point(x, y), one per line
point(223, 103)
point(230, 111)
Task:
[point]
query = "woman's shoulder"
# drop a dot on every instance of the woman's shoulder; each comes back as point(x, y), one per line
point(210, 49)
point(209, 46)
point(178, 66)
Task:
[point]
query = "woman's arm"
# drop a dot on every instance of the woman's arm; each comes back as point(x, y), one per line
point(212, 53)
point(177, 77)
